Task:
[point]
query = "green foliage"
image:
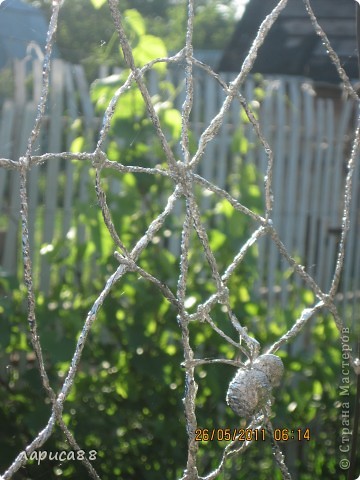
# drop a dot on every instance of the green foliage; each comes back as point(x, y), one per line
point(130, 381)
point(86, 36)
point(86, 30)
point(213, 24)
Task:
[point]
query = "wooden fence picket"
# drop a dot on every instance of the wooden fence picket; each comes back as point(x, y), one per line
point(54, 132)
point(6, 178)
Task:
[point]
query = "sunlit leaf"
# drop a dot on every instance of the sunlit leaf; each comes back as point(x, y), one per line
point(98, 3)
point(134, 20)
point(77, 144)
point(217, 239)
point(121, 389)
point(149, 48)
point(244, 294)
point(102, 90)
point(308, 297)
point(172, 120)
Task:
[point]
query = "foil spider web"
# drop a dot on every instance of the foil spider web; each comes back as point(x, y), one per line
point(184, 177)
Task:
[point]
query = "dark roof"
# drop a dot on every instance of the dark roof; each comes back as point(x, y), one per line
point(20, 24)
point(292, 47)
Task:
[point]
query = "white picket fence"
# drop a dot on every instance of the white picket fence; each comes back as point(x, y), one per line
point(310, 137)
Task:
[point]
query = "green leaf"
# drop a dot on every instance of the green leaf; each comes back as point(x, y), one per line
point(77, 145)
point(113, 152)
point(225, 207)
point(254, 191)
point(135, 21)
point(98, 3)
point(129, 180)
point(102, 90)
point(308, 297)
point(172, 120)
point(217, 239)
point(130, 105)
point(121, 389)
point(151, 328)
point(317, 388)
point(252, 309)
point(148, 48)
point(244, 294)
